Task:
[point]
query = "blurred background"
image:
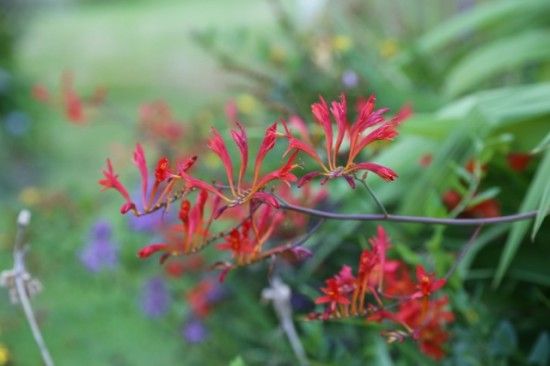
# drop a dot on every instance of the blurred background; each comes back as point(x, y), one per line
point(81, 81)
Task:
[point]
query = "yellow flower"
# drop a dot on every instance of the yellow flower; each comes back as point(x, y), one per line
point(29, 196)
point(246, 103)
point(341, 43)
point(4, 355)
point(277, 54)
point(388, 48)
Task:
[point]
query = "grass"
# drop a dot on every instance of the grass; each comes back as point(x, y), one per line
point(140, 51)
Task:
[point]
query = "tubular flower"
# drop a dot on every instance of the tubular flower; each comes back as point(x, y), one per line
point(72, 103)
point(247, 240)
point(333, 295)
point(422, 317)
point(368, 127)
point(427, 284)
point(239, 191)
point(194, 227)
point(427, 324)
point(163, 186)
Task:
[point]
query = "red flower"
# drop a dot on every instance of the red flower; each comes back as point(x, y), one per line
point(246, 241)
point(241, 192)
point(151, 249)
point(193, 227)
point(425, 160)
point(40, 93)
point(369, 126)
point(157, 123)
point(74, 107)
point(518, 161)
point(199, 297)
point(426, 323)
point(334, 295)
point(165, 182)
point(110, 180)
point(427, 284)
point(380, 244)
point(487, 208)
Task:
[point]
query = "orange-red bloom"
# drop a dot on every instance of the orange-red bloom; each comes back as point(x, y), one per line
point(427, 284)
point(368, 127)
point(164, 184)
point(239, 192)
point(247, 240)
point(194, 227)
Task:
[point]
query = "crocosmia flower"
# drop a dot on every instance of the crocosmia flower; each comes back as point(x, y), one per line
point(164, 188)
point(238, 190)
point(191, 235)
point(369, 126)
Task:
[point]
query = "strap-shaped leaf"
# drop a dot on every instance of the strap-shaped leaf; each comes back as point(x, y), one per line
point(519, 229)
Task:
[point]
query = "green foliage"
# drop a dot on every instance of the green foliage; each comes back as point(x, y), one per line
point(478, 84)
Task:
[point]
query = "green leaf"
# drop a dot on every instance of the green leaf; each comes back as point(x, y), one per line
point(484, 196)
point(502, 106)
point(488, 60)
point(237, 361)
point(543, 145)
point(544, 208)
point(540, 353)
point(504, 341)
point(479, 17)
point(530, 202)
point(382, 356)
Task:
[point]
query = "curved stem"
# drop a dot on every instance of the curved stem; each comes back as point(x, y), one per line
point(406, 219)
point(378, 202)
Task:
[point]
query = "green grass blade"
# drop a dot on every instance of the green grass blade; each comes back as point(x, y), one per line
point(497, 57)
point(519, 229)
point(543, 209)
point(479, 17)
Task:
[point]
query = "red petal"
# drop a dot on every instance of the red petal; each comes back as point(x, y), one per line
point(241, 140)
point(518, 161)
point(217, 145)
point(321, 113)
point(147, 251)
point(339, 111)
point(382, 171)
point(139, 160)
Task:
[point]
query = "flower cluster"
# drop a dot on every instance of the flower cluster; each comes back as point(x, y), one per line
point(249, 210)
point(369, 126)
point(252, 203)
point(379, 286)
point(76, 108)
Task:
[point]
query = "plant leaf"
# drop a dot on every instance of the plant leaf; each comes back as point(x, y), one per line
point(488, 61)
point(517, 233)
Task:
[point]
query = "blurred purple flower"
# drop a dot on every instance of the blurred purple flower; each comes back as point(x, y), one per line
point(194, 331)
point(17, 123)
point(350, 79)
point(148, 223)
point(464, 5)
point(100, 252)
point(155, 298)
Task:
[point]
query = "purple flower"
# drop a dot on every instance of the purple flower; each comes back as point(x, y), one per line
point(350, 79)
point(100, 252)
point(194, 331)
point(155, 298)
point(465, 5)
